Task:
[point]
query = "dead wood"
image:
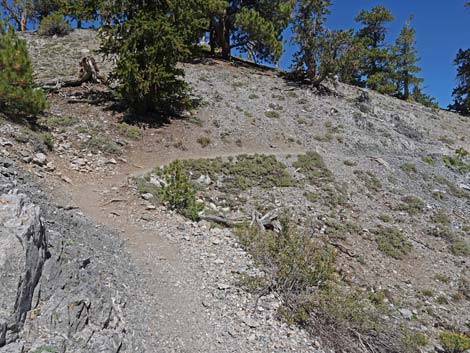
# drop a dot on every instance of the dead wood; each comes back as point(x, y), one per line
point(89, 73)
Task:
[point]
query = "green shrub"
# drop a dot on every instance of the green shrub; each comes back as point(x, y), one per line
point(454, 342)
point(412, 205)
point(272, 114)
point(429, 160)
point(460, 248)
point(409, 168)
point(369, 179)
point(18, 96)
point(413, 340)
point(179, 193)
point(204, 141)
point(296, 261)
point(54, 25)
point(314, 168)
point(59, 121)
point(391, 241)
point(48, 140)
point(130, 131)
point(441, 218)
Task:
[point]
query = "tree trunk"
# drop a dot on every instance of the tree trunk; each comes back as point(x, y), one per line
point(212, 39)
point(24, 20)
point(225, 37)
point(406, 87)
point(79, 24)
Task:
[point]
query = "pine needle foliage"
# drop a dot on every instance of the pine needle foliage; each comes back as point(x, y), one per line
point(148, 39)
point(18, 96)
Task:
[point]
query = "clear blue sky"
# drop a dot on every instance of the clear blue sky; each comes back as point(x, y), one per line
point(442, 27)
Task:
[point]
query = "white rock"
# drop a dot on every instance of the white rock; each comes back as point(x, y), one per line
point(40, 159)
point(147, 196)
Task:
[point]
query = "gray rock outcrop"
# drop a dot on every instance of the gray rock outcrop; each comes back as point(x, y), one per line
point(23, 251)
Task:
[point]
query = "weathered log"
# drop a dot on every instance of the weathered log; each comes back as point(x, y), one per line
point(267, 222)
point(89, 72)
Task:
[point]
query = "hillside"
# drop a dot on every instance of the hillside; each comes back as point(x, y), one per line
point(376, 179)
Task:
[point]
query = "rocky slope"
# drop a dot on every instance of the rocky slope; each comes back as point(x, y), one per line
point(385, 188)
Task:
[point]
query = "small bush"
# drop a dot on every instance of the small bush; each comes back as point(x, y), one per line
point(54, 24)
point(272, 114)
point(129, 131)
point(369, 179)
point(102, 143)
point(441, 218)
point(18, 96)
point(59, 121)
point(413, 340)
point(412, 205)
point(409, 168)
point(460, 248)
point(454, 342)
point(429, 160)
point(204, 141)
point(48, 140)
point(179, 193)
point(296, 261)
point(392, 242)
point(314, 168)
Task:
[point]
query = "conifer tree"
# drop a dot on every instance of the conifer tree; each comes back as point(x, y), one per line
point(149, 38)
point(461, 94)
point(17, 12)
point(251, 26)
point(322, 53)
point(405, 58)
point(311, 35)
point(376, 58)
point(18, 96)
point(81, 10)
point(43, 8)
point(422, 98)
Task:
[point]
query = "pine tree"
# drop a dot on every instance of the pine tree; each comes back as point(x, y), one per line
point(81, 10)
point(422, 98)
point(149, 39)
point(405, 58)
point(251, 26)
point(310, 35)
point(18, 96)
point(43, 8)
point(461, 94)
point(376, 58)
point(17, 12)
point(322, 53)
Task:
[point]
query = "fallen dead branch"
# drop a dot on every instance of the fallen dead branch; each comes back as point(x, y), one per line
point(89, 72)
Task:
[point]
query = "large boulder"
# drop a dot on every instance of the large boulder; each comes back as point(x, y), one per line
point(23, 251)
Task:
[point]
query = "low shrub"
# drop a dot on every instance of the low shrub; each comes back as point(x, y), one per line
point(412, 205)
point(54, 24)
point(179, 193)
point(391, 241)
point(454, 342)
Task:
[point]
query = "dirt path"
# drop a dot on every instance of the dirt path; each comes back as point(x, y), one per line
point(179, 278)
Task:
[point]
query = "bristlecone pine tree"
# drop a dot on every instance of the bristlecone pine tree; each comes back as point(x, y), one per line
point(149, 38)
point(81, 10)
point(405, 56)
point(252, 27)
point(18, 96)
point(311, 35)
point(461, 93)
point(322, 53)
point(376, 65)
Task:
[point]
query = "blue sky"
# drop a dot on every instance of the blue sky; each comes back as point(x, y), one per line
point(442, 27)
